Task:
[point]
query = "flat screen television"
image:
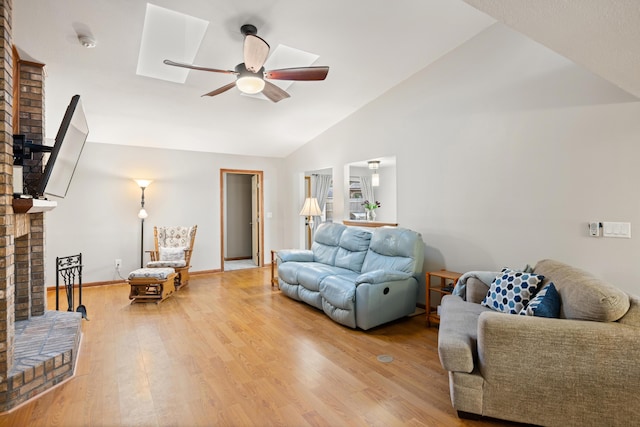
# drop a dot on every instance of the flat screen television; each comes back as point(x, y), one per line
point(66, 151)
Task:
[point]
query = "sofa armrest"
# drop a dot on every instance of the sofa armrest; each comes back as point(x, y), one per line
point(382, 276)
point(458, 334)
point(561, 352)
point(299, 255)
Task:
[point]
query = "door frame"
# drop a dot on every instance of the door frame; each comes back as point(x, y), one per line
point(223, 198)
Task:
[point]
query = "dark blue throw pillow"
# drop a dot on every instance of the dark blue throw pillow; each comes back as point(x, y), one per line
point(545, 304)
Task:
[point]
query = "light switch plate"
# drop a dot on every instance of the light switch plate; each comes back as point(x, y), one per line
point(616, 229)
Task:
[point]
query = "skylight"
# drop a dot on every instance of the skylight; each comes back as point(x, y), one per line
point(168, 34)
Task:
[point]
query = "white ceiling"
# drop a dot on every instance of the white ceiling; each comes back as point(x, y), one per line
point(370, 47)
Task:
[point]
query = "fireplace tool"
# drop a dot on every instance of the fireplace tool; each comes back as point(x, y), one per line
point(69, 268)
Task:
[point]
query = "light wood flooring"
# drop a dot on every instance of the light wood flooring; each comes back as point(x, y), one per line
point(228, 351)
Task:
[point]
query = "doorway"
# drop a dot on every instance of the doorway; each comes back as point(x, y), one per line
point(241, 213)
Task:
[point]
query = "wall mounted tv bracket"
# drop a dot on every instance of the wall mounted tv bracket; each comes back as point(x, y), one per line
point(23, 149)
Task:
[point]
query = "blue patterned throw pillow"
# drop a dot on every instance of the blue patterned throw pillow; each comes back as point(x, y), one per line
point(512, 290)
point(546, 303)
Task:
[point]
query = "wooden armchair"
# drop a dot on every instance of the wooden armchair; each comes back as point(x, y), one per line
point(173, 248)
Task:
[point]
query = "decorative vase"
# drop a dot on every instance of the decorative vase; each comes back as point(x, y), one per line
point(371, 215)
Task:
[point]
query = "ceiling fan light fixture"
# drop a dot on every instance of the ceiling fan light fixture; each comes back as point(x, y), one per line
point(250, 84)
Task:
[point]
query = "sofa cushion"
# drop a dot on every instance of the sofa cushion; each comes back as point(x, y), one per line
point(288, 271)
point(326, 242)
point(313, 298)
point(354, 243)
point(395, 249)
point(584, 297)
point(339, 291)
point(632, 317)
point(312, 273)
point(512, 290)
point(324, 254)
point(546, 303)
point(339, 299)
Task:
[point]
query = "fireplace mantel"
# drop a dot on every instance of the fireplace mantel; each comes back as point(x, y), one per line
point(33, 205)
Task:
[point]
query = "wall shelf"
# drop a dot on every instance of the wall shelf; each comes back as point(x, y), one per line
point(369, 223)
point(33, 205)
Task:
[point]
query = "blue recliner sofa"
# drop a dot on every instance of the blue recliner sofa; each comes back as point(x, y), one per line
point(358, 277)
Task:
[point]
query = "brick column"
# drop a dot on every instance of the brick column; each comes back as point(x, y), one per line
point(31, 116)
point(36, 240)
point(7, 313)
point(22, 278)
point(29, 97)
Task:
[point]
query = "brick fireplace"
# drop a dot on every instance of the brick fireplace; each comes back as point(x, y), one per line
point(38, 348)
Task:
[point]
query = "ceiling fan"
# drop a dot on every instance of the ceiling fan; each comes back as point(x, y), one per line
point(251, 77)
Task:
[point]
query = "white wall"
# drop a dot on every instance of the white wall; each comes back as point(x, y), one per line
point(505, 150)
point(99, 215)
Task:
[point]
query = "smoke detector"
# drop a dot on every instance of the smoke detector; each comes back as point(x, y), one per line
point(87, 41)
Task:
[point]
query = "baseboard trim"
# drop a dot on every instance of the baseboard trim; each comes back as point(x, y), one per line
point(91, 284)
point(203, 272)
point(124, 282)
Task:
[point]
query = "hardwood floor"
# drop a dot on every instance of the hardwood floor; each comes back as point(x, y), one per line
point(227, 350)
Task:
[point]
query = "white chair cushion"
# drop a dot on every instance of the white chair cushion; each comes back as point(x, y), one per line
point(172, 254)
point(152, 273)
point(172, 264)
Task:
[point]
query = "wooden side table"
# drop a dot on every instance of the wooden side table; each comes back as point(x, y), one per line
point(274, 269)
point(448, 280)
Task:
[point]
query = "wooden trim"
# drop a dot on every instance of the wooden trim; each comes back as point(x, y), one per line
point(369, 223)
point(124, 281)
point(237, 258)
point(92, 284)
point(260, 210)
point(205, 272)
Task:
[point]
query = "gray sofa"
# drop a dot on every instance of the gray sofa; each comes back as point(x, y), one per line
point(580, 369)
point(358, 277)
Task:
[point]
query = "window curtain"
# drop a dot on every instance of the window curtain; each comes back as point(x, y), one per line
point(367, 189)
point(320, 185)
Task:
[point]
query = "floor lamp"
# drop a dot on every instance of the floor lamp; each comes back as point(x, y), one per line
point(142, 214)
point(310, 209)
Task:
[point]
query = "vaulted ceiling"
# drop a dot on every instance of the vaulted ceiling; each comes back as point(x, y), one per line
point(602, 36)
point(370, 46)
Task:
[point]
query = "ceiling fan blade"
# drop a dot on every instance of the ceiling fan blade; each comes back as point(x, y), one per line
point(220, 90)
point(273, 92)
point(302, 73)
point(196, 67)
point(256, 51)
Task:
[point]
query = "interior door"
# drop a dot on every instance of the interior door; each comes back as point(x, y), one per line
point(255, 219)
point(254, 222)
